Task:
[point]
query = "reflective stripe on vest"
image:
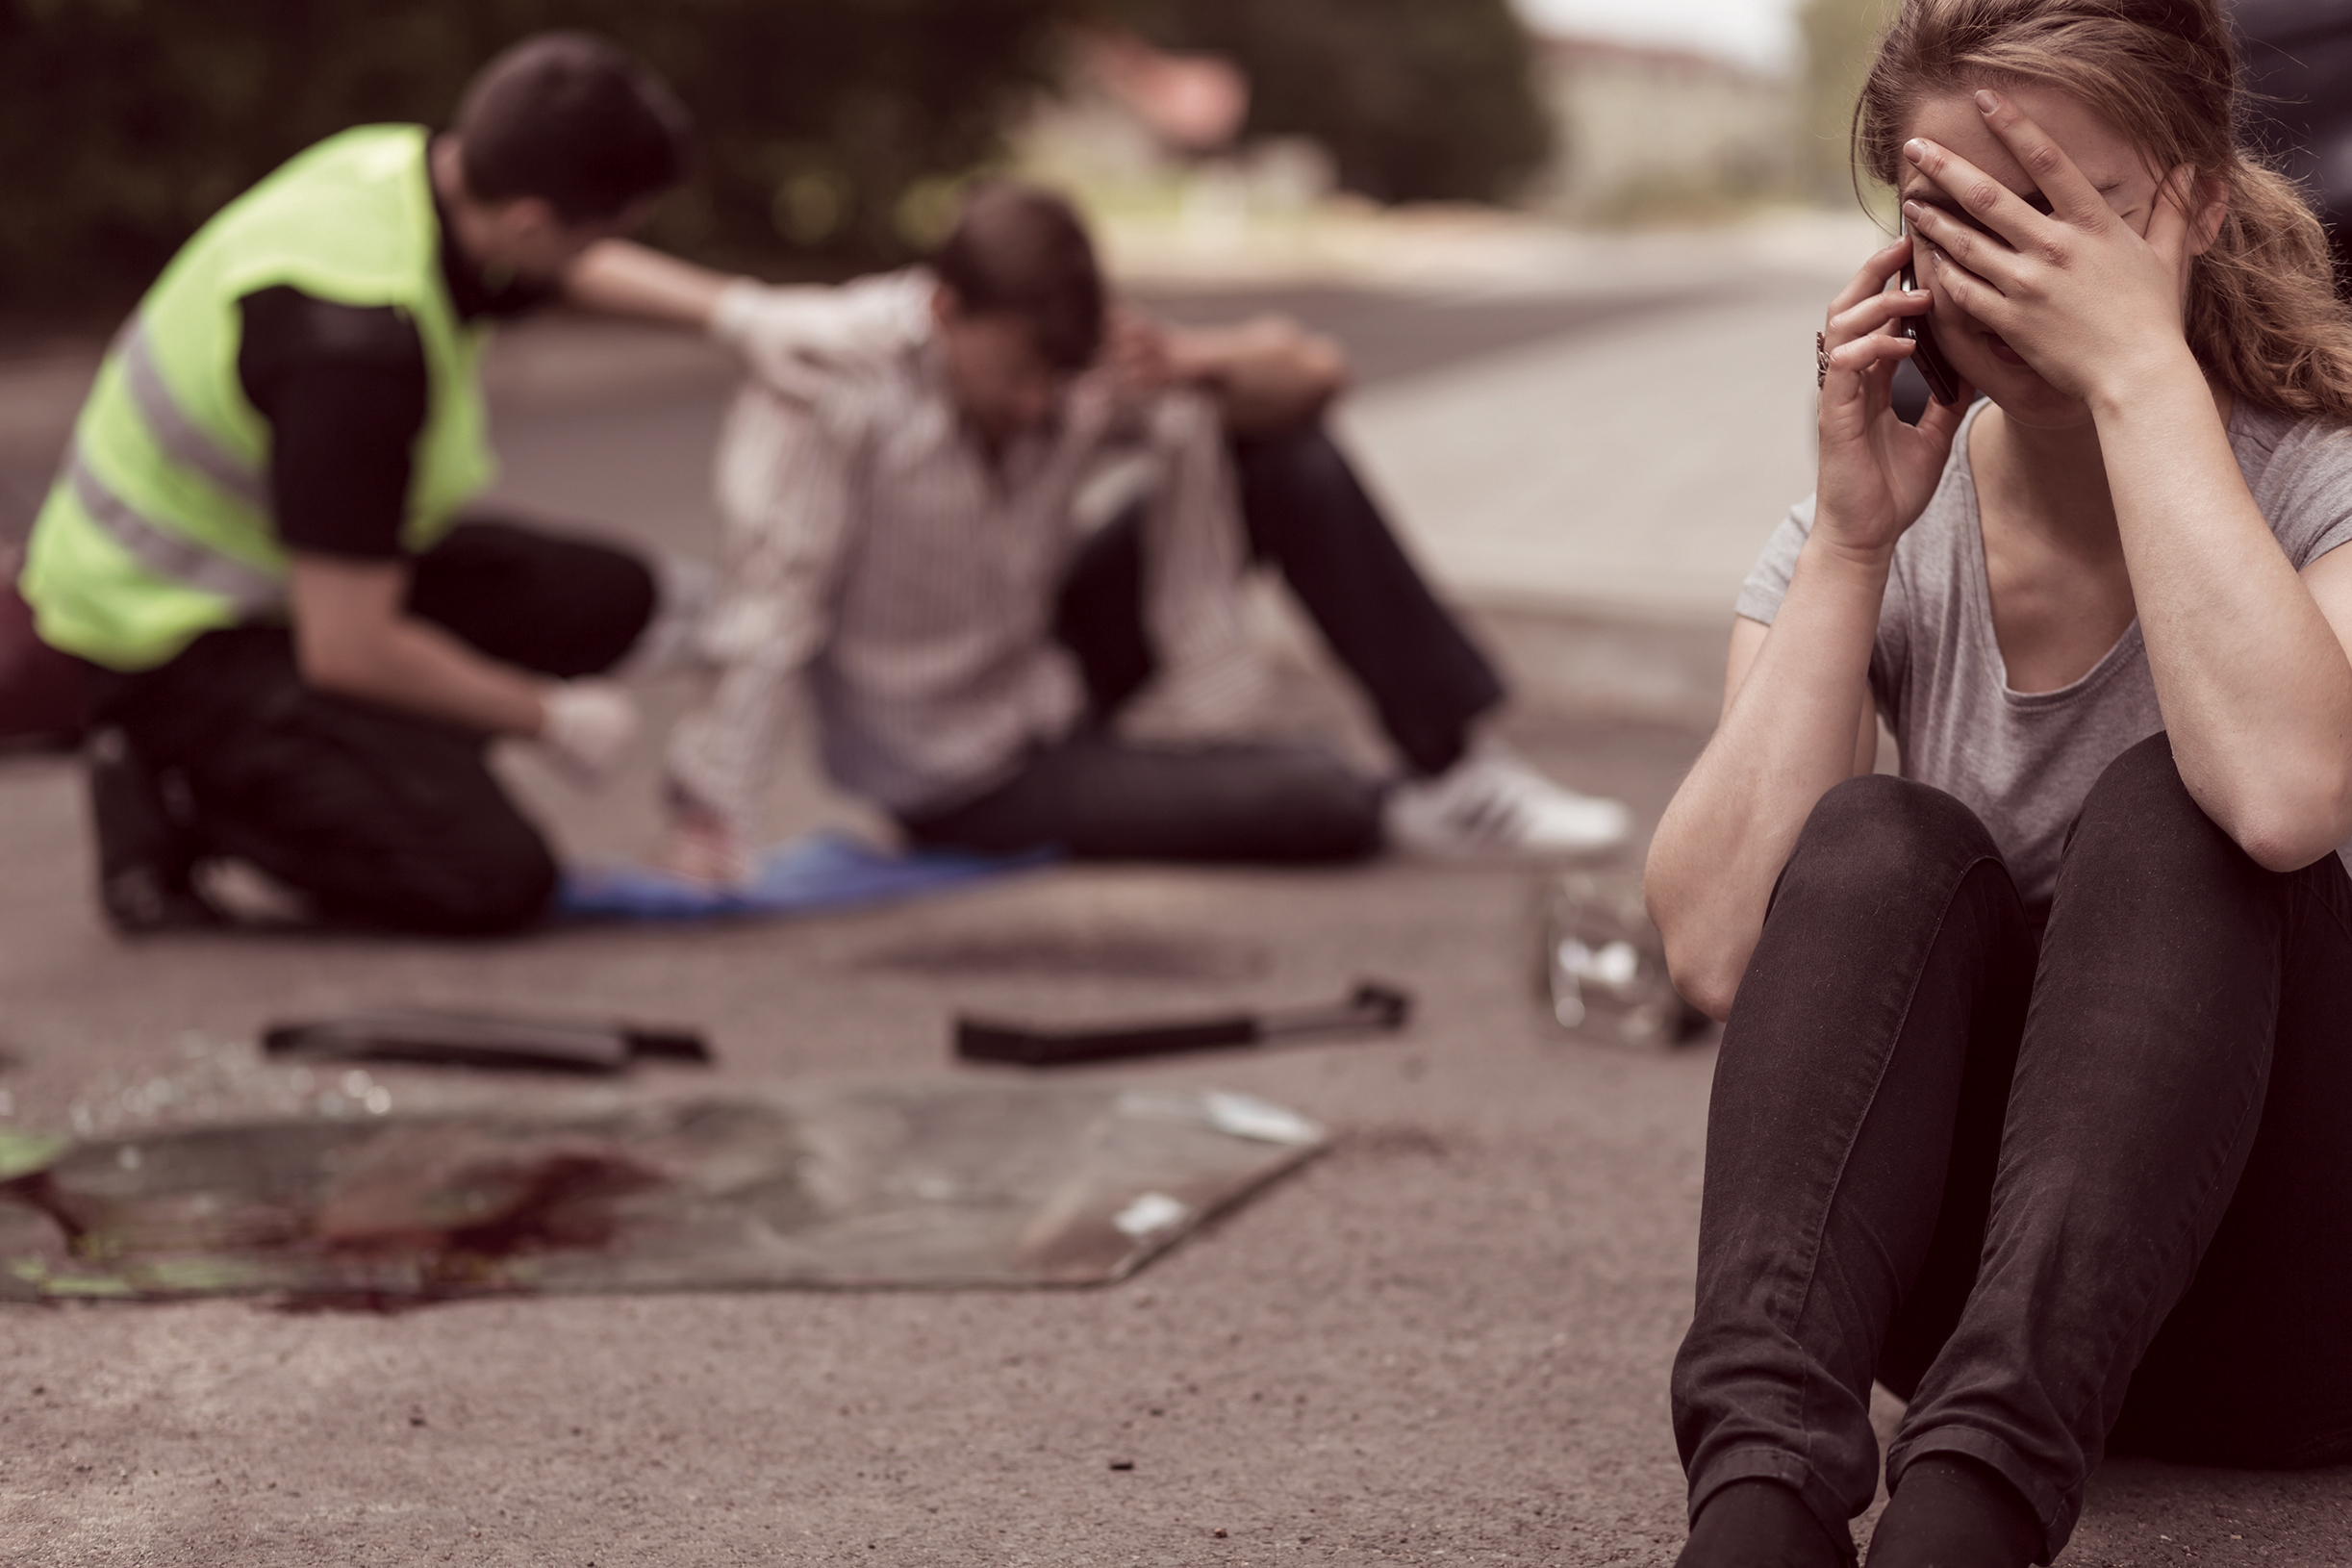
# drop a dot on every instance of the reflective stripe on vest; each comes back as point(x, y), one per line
point(176, 435)
point(167, 554)
point(162, 526)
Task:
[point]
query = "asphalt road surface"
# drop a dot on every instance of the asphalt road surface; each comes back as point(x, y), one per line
point(1446, 1341)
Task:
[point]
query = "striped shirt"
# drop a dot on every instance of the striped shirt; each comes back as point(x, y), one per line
point(874, 554)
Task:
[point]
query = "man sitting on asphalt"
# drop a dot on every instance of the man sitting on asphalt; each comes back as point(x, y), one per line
point(296, 647)
point(908, 483)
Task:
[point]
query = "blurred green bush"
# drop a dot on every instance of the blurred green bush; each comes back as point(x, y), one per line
point(830, 130)
point(823, 124)
point(1417, 100)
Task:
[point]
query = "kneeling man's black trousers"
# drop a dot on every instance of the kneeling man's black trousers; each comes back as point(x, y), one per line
point(383, 818)
point(2083, 1194)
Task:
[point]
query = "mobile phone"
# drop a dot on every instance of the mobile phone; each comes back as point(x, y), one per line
point(1943, 383)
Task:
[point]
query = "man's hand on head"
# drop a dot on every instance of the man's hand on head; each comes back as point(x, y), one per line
point(1136, 355)
point(1268, 373)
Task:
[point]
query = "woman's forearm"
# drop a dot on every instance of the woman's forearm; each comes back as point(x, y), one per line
point(2254, 685)
point(1792, 729)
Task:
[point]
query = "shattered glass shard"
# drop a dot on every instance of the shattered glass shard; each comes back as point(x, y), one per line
point(953, 1183)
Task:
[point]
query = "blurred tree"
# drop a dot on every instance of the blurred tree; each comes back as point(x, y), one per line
point(1840, 38)
point(823, 124)
point(1417, 99)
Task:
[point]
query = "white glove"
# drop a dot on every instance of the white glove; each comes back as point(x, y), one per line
point(703, 848)
point(588, 724)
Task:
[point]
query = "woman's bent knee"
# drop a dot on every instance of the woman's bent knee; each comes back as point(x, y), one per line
point(1878, 831)
point(2142, 789)
point(2141, 835)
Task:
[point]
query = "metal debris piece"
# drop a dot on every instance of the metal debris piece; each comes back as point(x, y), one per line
point(452, 1039)
point(1371, 1006)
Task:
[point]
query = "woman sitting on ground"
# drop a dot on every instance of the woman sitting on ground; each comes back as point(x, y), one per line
point(2033, 1101)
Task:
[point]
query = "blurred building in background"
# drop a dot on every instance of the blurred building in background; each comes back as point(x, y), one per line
point(1413, 100)
point(1635, 133)
point(1136, 129)
point(1647, 133)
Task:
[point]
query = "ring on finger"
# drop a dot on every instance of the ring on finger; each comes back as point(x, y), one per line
point(1821, 358)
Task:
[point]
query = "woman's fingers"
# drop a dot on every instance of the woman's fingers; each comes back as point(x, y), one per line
point(1881, 266)
point(1860, 373)
point(2073, 199)
point(1859, 356)
point(2005, 215)
point(1951, 239)
point(1974, 294)
point(1874, 313)
point(1857, 341)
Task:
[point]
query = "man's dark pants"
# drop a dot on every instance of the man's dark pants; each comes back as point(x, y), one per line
point(382, 818)
point(1096, 797)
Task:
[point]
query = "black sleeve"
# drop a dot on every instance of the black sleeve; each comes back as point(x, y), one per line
point(344, 389)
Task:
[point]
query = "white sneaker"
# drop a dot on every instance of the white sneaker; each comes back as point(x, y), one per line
point(1493, 803)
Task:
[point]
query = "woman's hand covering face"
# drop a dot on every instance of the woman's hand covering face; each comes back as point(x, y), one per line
point(2085, 291)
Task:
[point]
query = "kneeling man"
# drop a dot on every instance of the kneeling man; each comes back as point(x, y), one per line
point(297, 646)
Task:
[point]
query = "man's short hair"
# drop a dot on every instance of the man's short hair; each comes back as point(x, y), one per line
point(1017, 250)
point(575, 121)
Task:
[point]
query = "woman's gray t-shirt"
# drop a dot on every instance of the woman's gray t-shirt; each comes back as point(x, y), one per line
point(2024, 761)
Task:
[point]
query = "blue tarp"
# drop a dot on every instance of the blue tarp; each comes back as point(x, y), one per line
point(819, 871)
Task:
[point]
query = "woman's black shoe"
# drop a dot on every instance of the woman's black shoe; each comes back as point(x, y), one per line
point(1954, 1512)
point(1761, 1524)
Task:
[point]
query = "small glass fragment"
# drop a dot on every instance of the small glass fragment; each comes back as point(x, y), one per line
point(1149, 1214)
point(1604, 965)
point(1244, 1116)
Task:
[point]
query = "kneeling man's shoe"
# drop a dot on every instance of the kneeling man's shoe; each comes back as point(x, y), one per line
point(146, 854)
point(139, 900)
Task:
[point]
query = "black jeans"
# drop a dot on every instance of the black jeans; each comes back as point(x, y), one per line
point(2090, 1197)
point(1095, 797)
point(383, 817)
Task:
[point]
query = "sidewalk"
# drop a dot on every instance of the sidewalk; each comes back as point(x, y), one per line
point(1635, 464)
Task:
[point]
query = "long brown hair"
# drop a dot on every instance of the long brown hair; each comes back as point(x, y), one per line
point(2263, 319)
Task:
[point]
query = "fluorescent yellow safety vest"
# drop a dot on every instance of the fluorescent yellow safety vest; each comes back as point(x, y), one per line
point(159, 527)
